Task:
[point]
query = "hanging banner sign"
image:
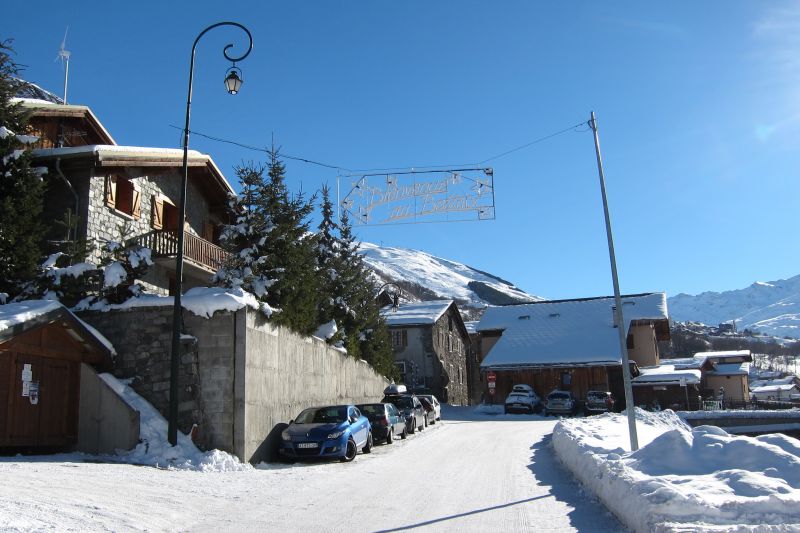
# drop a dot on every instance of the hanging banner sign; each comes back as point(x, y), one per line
point(420, 196)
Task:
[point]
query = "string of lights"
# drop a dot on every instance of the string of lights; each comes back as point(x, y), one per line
point(352, 172)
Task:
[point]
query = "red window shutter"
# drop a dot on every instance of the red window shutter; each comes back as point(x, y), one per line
point(157, 208)
point(111, 191)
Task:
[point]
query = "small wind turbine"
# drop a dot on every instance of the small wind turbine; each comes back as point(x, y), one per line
point(63, 55)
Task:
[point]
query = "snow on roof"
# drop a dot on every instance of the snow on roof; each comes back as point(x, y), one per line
point(773, 388)
point(21, 312)
point(663, 374)
point(109, 148)
point(683, 363)
point(730, 369)
point(788, 380)
point(416, 313)
point(472, 326)
point(723, 354)
point(564, 332)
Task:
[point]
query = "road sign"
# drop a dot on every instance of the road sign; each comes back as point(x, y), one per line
point(491, 384)
point(491, 377)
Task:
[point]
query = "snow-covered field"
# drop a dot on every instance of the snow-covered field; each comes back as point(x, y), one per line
point(684, 479)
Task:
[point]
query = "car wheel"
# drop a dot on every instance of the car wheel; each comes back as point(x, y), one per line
point(390, 436)
point(404, 434)
point(413, 427)
point(368, 446)
point(433, 421)
point(350, 452)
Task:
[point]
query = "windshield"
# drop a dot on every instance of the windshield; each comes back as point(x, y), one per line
point(322, 415)
point(559, 396)
point(596, 395)
point(402, 402)
point(372, 409)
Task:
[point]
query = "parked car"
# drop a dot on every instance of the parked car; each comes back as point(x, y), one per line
point(386, 421)
point(437, 407)
point(331, 431)
point(522, 398)
point(410, 407)
point(560, 402)
point(598, 402)
point(430, 412)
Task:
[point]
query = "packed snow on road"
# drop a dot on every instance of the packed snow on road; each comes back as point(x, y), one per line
point(476, 470)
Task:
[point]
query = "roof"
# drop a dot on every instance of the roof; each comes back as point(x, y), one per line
point(665, 375)
point(42, 108)
point(20, 317)
point(729, 354)
point(730, 369)
point(773, 388)
point(26, 90)
point(415, 314)
point(565, 332)
point(137, 156)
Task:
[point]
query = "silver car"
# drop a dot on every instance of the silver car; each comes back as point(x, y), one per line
point(437, 407)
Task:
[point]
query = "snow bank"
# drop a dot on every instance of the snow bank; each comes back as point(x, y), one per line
point(682, 479)
point(155, 450)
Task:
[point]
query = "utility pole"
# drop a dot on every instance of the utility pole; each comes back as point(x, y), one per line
point(623, 344)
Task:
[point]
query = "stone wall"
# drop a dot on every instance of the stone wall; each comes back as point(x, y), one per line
point(239, 377)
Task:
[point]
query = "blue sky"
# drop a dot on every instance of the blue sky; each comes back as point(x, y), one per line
point(698, 107)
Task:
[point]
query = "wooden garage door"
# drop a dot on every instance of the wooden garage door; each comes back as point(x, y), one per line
point(48, 414)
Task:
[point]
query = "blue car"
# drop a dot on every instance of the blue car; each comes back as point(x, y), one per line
point(327, 432)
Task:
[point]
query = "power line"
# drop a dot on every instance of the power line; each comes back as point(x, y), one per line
point(361, 171)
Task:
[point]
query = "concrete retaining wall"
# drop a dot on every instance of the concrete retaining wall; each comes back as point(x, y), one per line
point(239, 377)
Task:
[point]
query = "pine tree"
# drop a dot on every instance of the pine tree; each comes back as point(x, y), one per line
point(367, 335)
point(291, 257)
point(246, 238)
point(21, 187)
point(332, 307)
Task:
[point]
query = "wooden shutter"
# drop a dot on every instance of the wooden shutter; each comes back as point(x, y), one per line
point(111, 191)
point(136, 204)
point(157, 209)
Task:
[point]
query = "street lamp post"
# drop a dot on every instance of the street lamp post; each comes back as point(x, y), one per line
point(623, 341)
point(233, 82)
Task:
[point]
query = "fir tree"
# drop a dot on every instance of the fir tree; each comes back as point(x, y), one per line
point(291, 257)
point(332, 306)
point(246, 238)
point(21, 187)
point(367, 335)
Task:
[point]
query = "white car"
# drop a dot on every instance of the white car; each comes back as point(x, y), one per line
point(437, 407)
point(522, 398)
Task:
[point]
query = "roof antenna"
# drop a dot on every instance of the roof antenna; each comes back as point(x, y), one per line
point(63, 55)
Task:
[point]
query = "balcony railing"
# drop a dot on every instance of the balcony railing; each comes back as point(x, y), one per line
point(199, 251)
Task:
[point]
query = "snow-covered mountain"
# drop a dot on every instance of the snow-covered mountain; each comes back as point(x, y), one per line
point(428, 277)
point(772, 307)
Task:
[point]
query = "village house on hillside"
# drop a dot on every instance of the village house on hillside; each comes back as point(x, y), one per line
point(570, 345)
point(431, 347)
point(134, 188)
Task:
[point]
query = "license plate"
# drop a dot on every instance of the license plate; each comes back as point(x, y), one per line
point(308, 445)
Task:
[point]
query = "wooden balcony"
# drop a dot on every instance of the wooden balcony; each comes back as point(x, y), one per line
point(197, 252)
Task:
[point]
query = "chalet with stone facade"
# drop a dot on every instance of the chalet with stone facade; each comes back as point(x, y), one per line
point(431, 346)
point(123, 193)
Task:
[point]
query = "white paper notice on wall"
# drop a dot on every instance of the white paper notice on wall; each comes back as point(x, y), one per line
point(26, 388)
point(34, 393)
point(27, 373)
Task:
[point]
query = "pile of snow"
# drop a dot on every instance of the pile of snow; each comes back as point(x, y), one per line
point(683, 479)
point(154, 449)
point(202, 301)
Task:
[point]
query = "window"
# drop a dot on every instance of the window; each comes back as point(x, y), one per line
point(399, 338)
point(122, 196)
point(164, 215)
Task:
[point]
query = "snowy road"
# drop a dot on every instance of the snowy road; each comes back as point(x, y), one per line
point(476, 473)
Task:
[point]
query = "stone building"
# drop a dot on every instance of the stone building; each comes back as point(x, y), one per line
point(122, 193)
point(431, 347)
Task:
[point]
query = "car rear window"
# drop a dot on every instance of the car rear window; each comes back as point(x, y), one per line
point(372, 409)
point(559, 395)
point(596, 395)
